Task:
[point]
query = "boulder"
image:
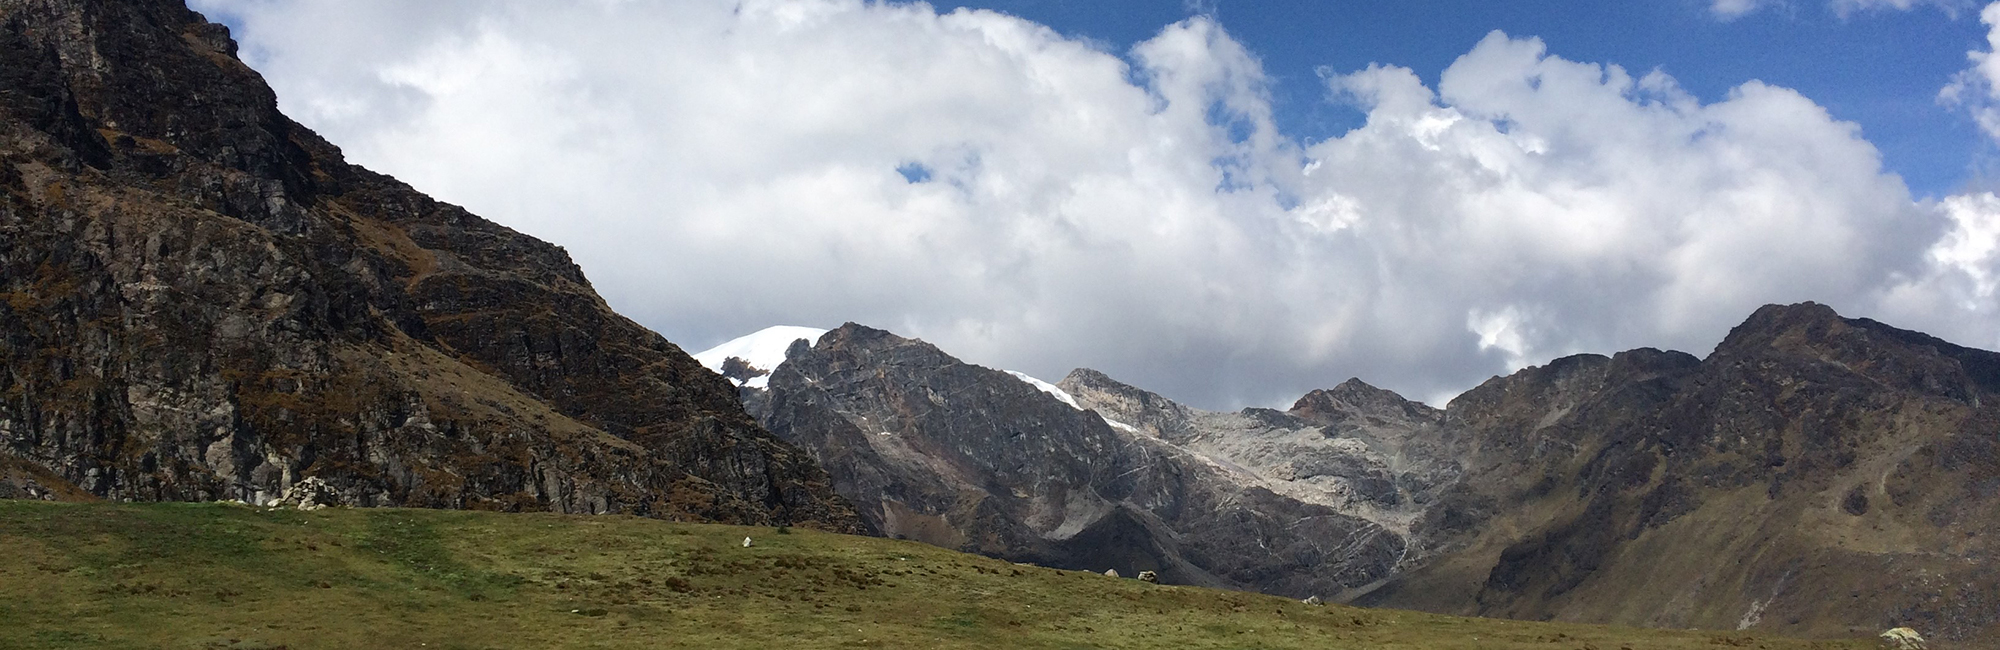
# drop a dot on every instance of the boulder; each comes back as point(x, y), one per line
point(312, 493)
point(1902, 638)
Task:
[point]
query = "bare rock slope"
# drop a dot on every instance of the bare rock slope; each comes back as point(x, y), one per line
point(934, 449)
point(1355, 448)
point(199, 300)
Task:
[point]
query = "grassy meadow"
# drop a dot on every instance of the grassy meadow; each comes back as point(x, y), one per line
point(195, 576)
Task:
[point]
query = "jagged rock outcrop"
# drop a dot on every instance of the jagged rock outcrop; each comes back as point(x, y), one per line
point(934, 449)
point(201, 300)
point(1815, 475)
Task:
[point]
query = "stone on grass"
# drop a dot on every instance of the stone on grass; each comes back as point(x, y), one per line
point(1902, 638)
point(1149, 576)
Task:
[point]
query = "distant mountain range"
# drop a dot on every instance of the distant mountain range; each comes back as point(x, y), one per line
point(1815, 475)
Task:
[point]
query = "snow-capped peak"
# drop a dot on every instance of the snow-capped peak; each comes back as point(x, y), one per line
point(763, 351)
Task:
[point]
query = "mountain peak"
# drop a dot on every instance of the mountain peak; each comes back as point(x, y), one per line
point(757, 353)
point(1126, 404)
point(1085, 381)
point(1356, 398)
point(1813, 333)
point(1771, 322)
point(1095, 379)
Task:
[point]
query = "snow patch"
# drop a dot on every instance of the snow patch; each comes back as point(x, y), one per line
point(1063, 395)
point(764, 350)
point(1047, 387)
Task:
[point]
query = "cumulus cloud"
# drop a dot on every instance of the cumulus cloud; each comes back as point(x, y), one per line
point(1977, 89)
point(1030, 201)
point(1962, 277)
point(1562, 206)
point(1972, 248)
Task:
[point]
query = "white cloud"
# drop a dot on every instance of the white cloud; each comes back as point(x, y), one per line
point(1557, 206)
point(1962, 280)
point(1847, 7)
point(717, 168)
point(1977, 89)
point(1972, 248)
point(1733, 9)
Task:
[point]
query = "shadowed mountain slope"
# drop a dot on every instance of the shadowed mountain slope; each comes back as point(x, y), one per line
point(200, 299)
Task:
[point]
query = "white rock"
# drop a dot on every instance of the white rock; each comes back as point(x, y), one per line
point(1902, 638)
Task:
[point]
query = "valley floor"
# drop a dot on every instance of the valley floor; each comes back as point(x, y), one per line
point(228, 576)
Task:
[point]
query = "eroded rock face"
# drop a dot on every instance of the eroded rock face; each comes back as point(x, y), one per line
point(200, 300)
point(934, 449)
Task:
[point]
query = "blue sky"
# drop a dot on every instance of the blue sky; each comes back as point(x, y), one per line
point(1878, 68)
point(1172, 195)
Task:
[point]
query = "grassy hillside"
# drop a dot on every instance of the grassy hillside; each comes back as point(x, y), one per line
point(222, 576)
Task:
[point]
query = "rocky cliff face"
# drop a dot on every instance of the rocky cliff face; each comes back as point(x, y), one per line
point(199, 299)
point(934, 449)
point(1355, 449)
point(1815, 475)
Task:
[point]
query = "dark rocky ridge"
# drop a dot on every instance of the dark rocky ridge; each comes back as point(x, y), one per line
point(202, 300)
point(1815, 475)
point(934, 449)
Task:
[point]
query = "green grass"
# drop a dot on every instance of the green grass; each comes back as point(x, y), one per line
point(219, 576)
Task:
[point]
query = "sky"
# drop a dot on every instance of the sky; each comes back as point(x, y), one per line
point(1230, 203)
